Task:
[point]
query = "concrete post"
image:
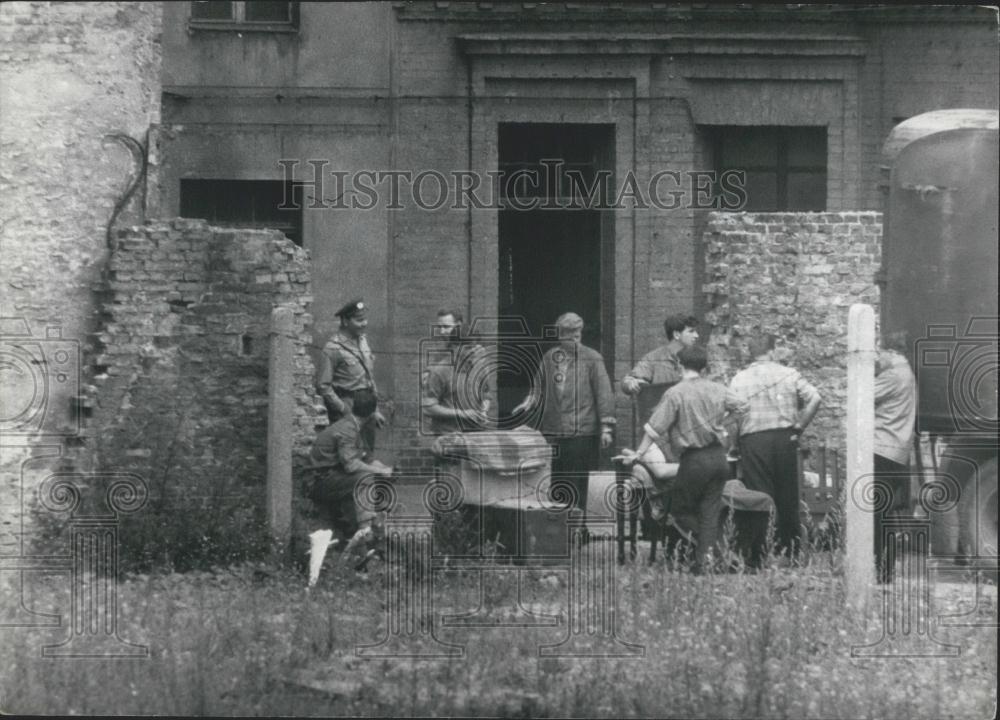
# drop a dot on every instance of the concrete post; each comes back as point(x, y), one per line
point(860, 564)
point(279, 430)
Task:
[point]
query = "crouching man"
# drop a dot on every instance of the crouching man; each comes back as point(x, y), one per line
point(341, 460)
point(690, 418)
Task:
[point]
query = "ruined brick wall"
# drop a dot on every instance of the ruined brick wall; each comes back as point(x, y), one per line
point(71, 76)
point(794, 275)
point(180, 386)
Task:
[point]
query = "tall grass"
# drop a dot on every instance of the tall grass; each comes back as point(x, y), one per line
point(243, 642)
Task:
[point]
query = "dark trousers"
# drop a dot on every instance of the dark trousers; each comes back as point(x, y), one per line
point(770, 464)
point(698, 491)
point(750, 536)
point(892, 494)
point(333, 497)
point(574, 458)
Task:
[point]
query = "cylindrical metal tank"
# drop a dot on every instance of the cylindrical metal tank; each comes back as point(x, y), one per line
point(939, 263)
point(939, 292)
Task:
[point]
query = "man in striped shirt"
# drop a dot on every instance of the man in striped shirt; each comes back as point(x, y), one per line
point(781, 404)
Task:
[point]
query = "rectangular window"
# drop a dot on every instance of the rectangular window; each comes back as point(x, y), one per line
point(245, 204)
point(248, 15)
point(212, 10)
point(785, 166)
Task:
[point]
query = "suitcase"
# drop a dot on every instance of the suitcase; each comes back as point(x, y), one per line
point(528, 532)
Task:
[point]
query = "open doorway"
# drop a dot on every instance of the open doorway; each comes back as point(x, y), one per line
point(555, 259)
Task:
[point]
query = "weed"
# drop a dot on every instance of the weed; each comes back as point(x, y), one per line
point(771, 644)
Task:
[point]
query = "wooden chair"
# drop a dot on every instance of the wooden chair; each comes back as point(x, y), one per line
point(645, 402)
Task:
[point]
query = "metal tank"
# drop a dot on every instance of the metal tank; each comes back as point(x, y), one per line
point(939, 291)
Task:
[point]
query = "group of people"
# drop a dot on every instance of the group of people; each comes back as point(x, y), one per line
point(696, 423)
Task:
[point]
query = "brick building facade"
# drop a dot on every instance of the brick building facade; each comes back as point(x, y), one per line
point(800, 97)
point(803, 97)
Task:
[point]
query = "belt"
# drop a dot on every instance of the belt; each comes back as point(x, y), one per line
point(787, 428)
point(703, 447)
point(345, 393)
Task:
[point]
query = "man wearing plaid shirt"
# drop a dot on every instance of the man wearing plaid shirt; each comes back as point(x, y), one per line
point(770, 430)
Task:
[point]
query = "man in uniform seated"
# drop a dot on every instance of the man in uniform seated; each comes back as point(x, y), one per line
point(340, 460)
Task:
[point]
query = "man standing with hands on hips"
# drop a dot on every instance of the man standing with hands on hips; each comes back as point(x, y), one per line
point(769, 434)
point(347, 366)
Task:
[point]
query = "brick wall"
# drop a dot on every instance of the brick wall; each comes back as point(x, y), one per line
point(179, 391)
point(853, 88)
point(794, 275)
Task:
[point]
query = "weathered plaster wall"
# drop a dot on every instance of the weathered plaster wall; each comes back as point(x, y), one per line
point(72, 75)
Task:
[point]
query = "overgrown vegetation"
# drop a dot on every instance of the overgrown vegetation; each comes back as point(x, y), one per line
point(251, 641)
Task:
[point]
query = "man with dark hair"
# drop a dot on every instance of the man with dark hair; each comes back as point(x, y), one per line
point(661, 366)
point(769, 434)
point(341, 459)
point(347, 366)
point(895, 416)
point(689, 420)
point(458, 393)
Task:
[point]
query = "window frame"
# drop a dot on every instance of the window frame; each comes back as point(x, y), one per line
point(238, 22)
point(782, 167)
point(251, 188)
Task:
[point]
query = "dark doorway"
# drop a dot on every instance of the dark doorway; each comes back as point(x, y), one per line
point(557, 256)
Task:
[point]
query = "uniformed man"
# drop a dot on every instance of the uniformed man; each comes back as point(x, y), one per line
point(341, 459)
point(347, 366)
